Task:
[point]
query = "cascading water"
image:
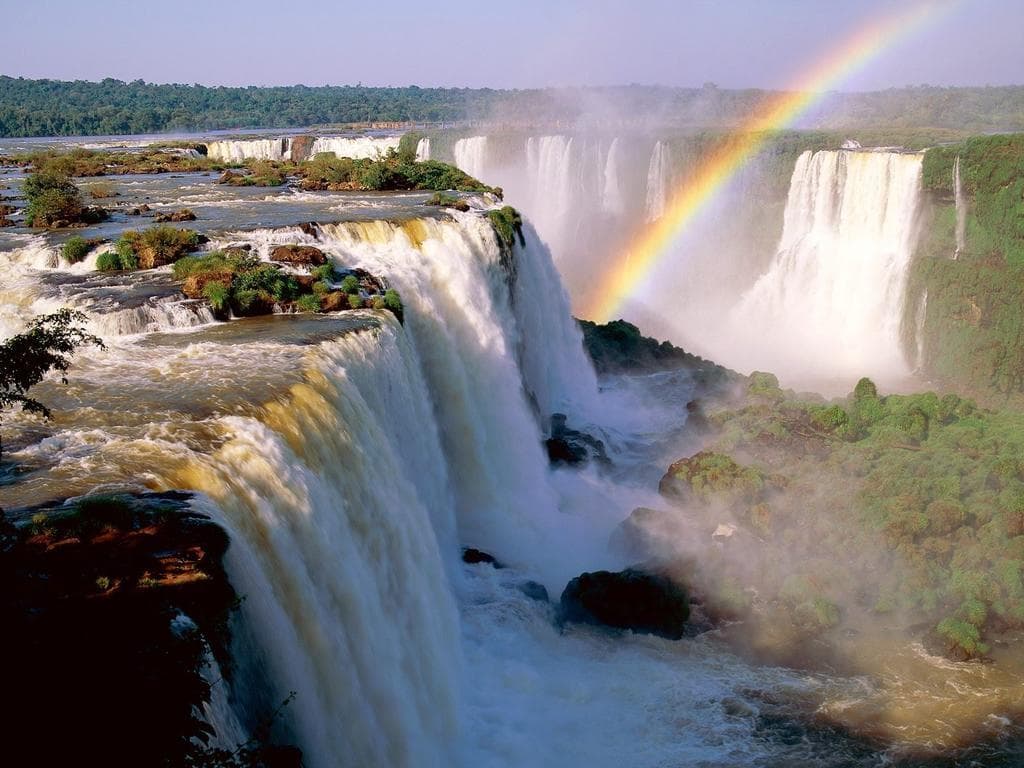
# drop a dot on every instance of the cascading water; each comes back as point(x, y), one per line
point(612, 200)
point(356, 147)
point(252, 149)
point(961, 209)
point(423, 149)
point(657, 182)
point(835, 289)
point(359, 147)
point(471, 155)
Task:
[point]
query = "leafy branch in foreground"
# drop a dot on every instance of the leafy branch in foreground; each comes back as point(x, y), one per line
point(46, 346)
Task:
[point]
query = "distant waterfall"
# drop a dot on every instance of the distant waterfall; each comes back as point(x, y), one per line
point(470, 155)
point(423, 149)
point(832, 298)
point(920, 317)
point(961, 209)
point(359, 147)
point(551, 170)
point(251, 149)
point(612, 200)
point(657, 182)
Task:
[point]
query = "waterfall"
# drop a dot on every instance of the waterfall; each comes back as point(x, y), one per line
point(423, 149)
point(919, 322)
point(961, 209)
point(359, 147)
point(551, 170)
point(470, 155)
point(611, 192)
point(251, 149)
point(657, 182)
point(832, 299)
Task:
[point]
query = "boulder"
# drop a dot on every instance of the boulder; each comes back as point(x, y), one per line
point(230, 177)
point(183, 215)
point(476, 556)
point(335, 301)
point(631, 599)
point(310, 228)
point(571, 446)
point(535, 591)
point(651, 534)
point(301, 147)
point(301, 255)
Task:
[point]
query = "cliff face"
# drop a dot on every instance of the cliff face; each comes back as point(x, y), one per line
point(970, 265)
point(111, 607)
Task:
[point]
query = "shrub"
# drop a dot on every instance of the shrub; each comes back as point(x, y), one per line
point(108, 262)
point(156, 246)
point(76, 249)
point(101, 190)
point(218, 294)
point(354, 301)
point(325, 272)
point(350, 284)
point(508, 224)
point(52, 197)
point(308, 303)
point(393, 301)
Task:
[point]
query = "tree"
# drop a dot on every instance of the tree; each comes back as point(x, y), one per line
point(51, 196)
point(46, 346)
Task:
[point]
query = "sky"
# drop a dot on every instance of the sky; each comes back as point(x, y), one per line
point(512, 44)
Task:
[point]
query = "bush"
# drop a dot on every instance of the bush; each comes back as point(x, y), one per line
point(393, 301)
point(325, 272)
point(350, 284)
point(508, 224)
point(51, 197)
point(218, 294)
point(354, 301)
point(76, 249)
point(308, 303)
point(156, 246)
point(109, 261)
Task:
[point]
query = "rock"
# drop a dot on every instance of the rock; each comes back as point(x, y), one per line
point(135, 212)
point(631, 599)
point(651, 534)
point(183, 215)
point(230, 177)
point(310, 228)
point(570, 446)
point(7, 210)
point(303, 255)
point(335, 301)
point(5, 222)
point(476, 556)
point(535, 591)
point(708, 476)
point(301, 147)
point(194, 284)
point(144, 208)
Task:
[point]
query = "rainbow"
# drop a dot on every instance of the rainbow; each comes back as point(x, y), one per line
point(779, 111)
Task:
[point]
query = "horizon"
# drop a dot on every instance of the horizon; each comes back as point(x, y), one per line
point(738, 45)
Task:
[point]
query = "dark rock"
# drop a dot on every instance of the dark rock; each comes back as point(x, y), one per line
point(310, 228)
point(650, 534)
point(475, 556)
point(303, 255)
point(535, 591)
point(630, 599)
point(5, 222)
point(301, 147)
point(335, 301)
point(229, 177)
point(183, 215)
point(570, 446)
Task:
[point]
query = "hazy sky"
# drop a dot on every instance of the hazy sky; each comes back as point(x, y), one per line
point(508, 43)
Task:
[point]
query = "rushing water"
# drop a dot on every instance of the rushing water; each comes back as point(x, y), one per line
point(350, 458)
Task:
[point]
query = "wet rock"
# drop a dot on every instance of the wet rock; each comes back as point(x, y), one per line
point(535, 591)
point(476, 556)
point(631, 599)
point(230, 177)
point(300, 255)
point(5, 222)
point(175, 216)
point(335, 301)
point(302, 147)
point(310, 228)
point(570, 446)
point(650, 534)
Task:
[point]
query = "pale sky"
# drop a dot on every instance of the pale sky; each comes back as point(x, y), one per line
point(501, 44)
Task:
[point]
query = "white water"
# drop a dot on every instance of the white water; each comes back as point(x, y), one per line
point(251, 149)
point(658, 172)
point(920, 317)
point(357, 148)
point(470, 156)
point(423, 149)
point(961, 209)
point(612, 200)
point(831, 302)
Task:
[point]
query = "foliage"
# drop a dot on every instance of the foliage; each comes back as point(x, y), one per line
point(324, 273)
point(393, 302)
point(47, 345)
point(155, 246)
point(76, 248)
point(112, 107)
point(52, 197)
point(350, 284)
point(973, 327)
point(392, 171)
point(355, 301)
point(913, 503)
point(308, 303)
point(407, 146)
point(508, 225)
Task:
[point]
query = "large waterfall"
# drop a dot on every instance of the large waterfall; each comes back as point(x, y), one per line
point(470, 155)
point(657, 182)
point(831, 302)
point(356, 147)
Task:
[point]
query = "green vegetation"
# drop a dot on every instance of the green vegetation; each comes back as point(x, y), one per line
point(444, 200)
point(974, 327)
point(393, 171)
point(909, 503)
point(59, 108)
point(76, 248)
point(81, 162)
point(155, 246)
point(407, 146)
point(236, 282)
point(52, 198)
point(48, 345)
point(508, 226)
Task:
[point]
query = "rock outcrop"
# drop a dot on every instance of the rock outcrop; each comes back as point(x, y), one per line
point(632, 599)
point(298, 255)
